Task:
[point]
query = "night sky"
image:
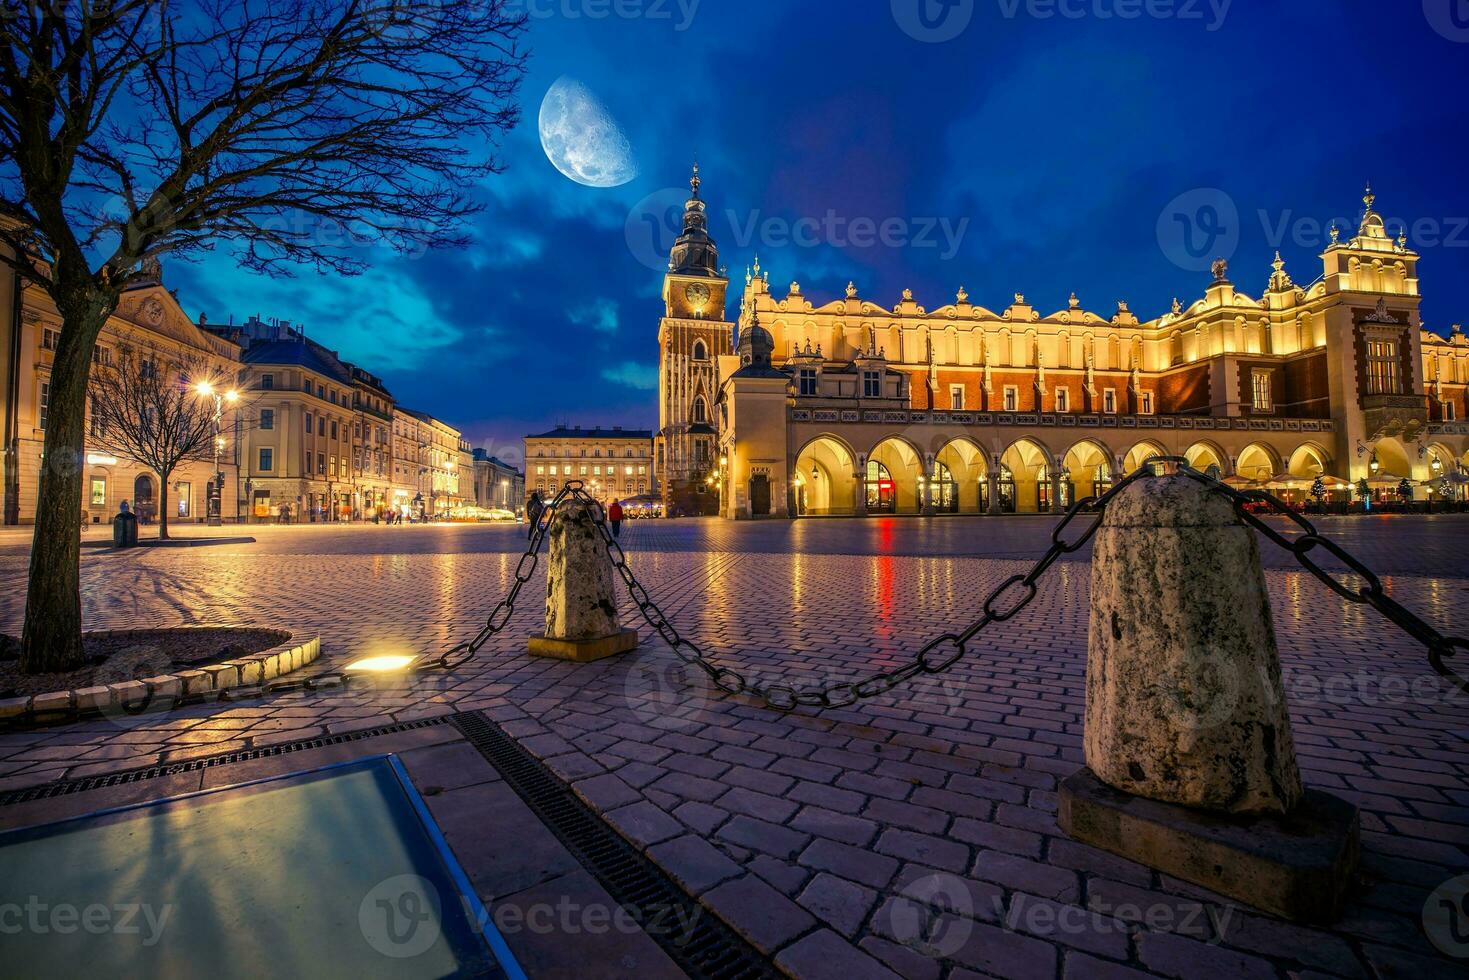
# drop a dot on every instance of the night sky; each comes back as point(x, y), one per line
point(1033, 154)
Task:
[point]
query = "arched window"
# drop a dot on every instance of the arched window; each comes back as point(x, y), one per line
point(701, 414)
point(1006, 487)
point(880, 495)
point(945, 490)
point(701, 353)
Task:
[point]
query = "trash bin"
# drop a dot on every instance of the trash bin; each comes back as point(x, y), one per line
point(124, 531)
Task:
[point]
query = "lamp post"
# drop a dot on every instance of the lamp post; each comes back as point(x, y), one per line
point(216, 494)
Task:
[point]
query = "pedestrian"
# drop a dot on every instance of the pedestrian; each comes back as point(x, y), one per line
point(533, 510)
point(614, 514)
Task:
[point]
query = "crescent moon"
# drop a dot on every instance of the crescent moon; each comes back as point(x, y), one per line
point(581, 139)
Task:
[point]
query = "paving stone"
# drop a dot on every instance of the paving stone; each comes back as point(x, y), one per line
point(1070, 925)
point(995, 951)
point(782, 874)
point(924, 849)
point(823, 955)
point(758, 912)
point(849, 862)
point(606, 791)
point(837, 826)
point(768, 838)
point(694, 862)
point(986, 834)
point(904, 961)
point(1034, 877)
point(1176, 956)
point(643, 823)
point(843, 905)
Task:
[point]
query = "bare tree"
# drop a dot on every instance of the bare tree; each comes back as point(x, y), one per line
point(292, 131)
point(158, 408)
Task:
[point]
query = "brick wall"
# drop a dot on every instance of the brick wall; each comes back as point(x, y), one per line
point(1307, 393)
point(1184, 392)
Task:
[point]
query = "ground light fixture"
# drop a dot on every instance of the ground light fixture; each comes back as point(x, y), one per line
point(384, 663)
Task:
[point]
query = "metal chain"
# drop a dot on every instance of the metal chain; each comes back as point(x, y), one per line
point(1003, 603)
point(1440, 647)
point(524, 572)
point(937, 656)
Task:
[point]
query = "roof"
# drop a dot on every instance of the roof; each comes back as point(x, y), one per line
point(311, 356)
point(577, 432)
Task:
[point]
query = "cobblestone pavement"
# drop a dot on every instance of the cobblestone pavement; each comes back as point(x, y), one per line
point(914, 833)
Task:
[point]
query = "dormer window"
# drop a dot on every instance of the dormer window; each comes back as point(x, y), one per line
point(871, 384)
point(808, 381)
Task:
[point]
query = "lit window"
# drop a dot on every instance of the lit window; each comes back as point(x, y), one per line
point(808, 381)
point(956, 397)
point(1260, 390)
point(1382, 367)
point(871, 384)
point(1012, 398)
point(1063, 399)
point(99, 491)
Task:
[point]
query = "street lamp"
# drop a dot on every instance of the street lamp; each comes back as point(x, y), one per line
point(207, 390)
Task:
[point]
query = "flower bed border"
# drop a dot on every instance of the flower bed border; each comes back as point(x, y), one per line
point(164, 691)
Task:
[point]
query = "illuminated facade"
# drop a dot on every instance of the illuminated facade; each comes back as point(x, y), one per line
point(612, 463)
point(148, 319)
point(852, 407)
point(497, 484)
point(434, 468)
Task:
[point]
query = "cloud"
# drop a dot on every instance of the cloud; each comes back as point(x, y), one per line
point(600, 314)
point(378, 319)
point(643, 377)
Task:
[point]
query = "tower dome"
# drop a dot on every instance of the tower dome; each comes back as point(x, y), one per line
point(694, 252)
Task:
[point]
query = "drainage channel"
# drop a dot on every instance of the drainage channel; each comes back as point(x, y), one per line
point(710, 950)
point(63, 787)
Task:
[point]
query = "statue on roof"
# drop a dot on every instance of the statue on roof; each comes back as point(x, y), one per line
point(1220, 268)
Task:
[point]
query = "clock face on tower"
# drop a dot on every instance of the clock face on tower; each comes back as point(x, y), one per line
point(698, 296)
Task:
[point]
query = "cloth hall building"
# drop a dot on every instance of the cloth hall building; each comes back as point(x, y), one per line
point(856, 408)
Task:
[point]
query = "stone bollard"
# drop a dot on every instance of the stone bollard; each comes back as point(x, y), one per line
point(1191, 767)
point(581, 608)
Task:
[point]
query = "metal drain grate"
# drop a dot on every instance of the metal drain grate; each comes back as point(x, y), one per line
point(62, 787)
point(709, 950)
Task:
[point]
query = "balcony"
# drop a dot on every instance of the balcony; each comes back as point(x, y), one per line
point(1401, 416)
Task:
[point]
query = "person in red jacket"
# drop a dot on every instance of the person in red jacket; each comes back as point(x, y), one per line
point(614, 514)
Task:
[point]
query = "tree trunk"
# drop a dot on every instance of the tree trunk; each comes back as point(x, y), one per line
point(163, 506)
point(51, 639)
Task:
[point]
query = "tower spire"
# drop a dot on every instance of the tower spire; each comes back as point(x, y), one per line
point(694, 180)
